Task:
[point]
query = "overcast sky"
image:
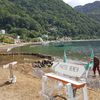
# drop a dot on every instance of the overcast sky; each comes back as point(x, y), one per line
point(78, 2)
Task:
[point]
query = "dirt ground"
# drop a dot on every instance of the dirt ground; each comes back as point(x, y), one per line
point(28, 85)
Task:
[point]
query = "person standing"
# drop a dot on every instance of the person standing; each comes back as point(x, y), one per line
point(96, 66)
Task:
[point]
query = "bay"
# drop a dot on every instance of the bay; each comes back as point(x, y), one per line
point(75, 50)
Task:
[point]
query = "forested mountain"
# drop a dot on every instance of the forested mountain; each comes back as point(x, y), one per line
point(32, 18)
point(91, 9)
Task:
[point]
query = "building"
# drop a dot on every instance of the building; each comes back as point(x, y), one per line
point(2, 31)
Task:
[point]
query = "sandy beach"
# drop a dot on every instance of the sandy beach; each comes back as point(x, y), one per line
point(6, 46)
point(28, 85)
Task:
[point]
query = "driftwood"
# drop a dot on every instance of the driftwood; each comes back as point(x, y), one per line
point(43, 63)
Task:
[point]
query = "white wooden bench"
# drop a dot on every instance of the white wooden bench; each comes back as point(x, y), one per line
point(64, 80)
point(66, 73)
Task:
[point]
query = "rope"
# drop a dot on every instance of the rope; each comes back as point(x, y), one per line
point(58, 96)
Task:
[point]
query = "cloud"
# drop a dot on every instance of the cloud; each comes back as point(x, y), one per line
point(74, 2)
point(78, 2)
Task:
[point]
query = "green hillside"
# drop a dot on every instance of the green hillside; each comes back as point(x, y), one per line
point(32, 18)
point(91, 9)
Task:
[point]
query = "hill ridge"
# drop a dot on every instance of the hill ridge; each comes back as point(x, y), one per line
point(91, 9)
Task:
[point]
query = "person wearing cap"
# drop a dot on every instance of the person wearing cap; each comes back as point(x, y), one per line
point(96, 66)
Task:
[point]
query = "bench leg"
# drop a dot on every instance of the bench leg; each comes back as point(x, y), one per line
point(44, 83)
point(85, 93)
point(69, 91)
point(44, 87)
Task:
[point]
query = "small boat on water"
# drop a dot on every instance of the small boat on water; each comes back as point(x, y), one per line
point(60, 45)
point(45, 43)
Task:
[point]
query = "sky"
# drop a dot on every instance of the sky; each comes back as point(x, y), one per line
point(78, 2)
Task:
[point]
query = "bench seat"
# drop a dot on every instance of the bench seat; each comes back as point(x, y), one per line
point(64, 80)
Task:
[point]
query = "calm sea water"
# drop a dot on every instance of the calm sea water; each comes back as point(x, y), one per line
point(77, 50)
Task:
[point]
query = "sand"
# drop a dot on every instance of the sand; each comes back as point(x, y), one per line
point(28, 85)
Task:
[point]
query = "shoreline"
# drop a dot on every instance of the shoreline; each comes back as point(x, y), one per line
point(4, 47)
point(85, 40)
point(77, 40)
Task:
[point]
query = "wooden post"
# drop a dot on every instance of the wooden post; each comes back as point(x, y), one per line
point(10, 66)
point(11, 70)
point(12, 76)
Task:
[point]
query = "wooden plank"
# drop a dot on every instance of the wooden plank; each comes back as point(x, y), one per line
point(11, 63)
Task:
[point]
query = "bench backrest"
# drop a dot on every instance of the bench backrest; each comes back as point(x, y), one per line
point(69, 69)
